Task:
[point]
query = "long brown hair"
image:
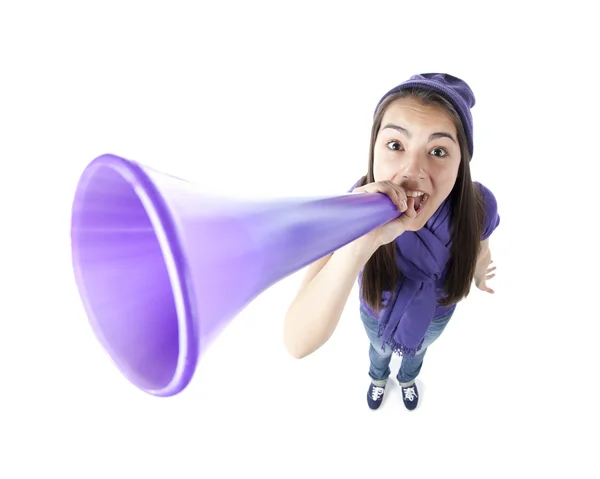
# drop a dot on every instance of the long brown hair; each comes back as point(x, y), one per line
point(380, 272)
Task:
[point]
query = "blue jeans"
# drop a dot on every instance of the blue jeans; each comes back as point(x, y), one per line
point(379, 369)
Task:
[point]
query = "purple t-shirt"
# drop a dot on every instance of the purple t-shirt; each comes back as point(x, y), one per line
point(491, 222)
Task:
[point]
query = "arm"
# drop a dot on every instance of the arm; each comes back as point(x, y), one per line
point(484, 258)
point(491, 222)
point(315, 312)
point(482, 269)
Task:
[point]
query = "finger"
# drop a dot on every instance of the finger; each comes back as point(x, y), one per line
point(410, 211)
point(491, 269)
point(387, 188)
point(402, 203)
point(490, 276)
point(368, 188)
point(395, 194)
point(401, 192)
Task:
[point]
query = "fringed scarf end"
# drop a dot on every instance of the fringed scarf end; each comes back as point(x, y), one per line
point(400, 349)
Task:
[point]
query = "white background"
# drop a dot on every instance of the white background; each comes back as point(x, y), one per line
point(274, 98)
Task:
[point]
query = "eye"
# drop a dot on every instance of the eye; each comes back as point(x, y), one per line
point(394, 145)
point(441, 152)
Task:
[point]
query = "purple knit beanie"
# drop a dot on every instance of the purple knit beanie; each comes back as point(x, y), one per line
point(455, 90)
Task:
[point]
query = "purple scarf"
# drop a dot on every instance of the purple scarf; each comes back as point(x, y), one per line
point(421, 257)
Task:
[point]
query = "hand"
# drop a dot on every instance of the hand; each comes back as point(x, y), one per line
point(480, 280)
point(391, 230)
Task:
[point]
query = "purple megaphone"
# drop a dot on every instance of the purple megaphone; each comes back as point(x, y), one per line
point(162, 268)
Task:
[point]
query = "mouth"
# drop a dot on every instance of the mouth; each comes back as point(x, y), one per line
point(420, 200)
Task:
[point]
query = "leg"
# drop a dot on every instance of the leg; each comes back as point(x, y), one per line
point(411, 367)
point(379, 369)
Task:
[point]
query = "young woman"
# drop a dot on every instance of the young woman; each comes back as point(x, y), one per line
point(413, 270)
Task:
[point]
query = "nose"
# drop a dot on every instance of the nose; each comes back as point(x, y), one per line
point(413, 166)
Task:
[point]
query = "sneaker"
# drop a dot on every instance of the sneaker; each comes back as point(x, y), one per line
point(410, 396)
point(375, 396)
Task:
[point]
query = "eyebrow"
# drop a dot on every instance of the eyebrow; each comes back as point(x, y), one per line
point(433, 136)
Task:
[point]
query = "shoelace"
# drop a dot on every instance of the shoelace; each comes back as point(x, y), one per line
point(409, 393)
point(376, 393)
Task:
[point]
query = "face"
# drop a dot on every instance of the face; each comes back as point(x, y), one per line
point(417, 148)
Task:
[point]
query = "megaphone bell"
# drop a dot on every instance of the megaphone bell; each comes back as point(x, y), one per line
point(162, 268)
